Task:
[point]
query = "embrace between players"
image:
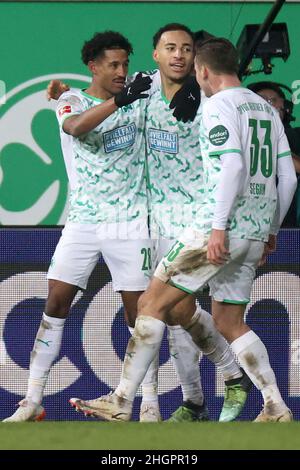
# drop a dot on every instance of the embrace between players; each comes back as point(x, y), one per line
point(208, 181)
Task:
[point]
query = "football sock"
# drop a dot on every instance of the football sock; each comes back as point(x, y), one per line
point(253, 357)
point(45, 350)
point(185, 358)
point(206, 336)
point(142, 348)
point(149, 384)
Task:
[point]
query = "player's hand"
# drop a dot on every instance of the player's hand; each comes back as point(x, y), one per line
point(270, 247)
point(217, 252)
point(272, 243)
point(56, 88)
point(134, 91)
point(186, 101)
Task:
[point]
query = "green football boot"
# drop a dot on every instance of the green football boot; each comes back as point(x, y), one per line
point(189, 412)
point(236, 393)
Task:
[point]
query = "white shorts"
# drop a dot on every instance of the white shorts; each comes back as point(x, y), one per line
point(161, 247)
point(128, 257)
point(186, 267)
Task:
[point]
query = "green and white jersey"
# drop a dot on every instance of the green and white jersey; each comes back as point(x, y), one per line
point(174, 168)
point(237, 121)
point(106, 166)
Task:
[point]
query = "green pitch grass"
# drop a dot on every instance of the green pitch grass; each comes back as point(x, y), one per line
point(98, 435)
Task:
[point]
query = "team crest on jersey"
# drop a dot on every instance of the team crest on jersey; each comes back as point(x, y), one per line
point(163, 141)
point(218, 135)
point(119, 138)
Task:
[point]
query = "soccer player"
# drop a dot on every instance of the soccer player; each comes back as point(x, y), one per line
point(175, 173)
point(244, 148)
point(274, 95)
point(103, 146)
point(176, 185)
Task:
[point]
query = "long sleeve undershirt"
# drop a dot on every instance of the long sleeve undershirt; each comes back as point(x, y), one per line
point(286, 187)
point(228, 188)
point(230, 182)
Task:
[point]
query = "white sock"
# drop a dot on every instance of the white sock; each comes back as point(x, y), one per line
point(142, 348)
point(206, 336)
point(45, 350)
point(185, 358)
point(149, 384)
point(254, 359)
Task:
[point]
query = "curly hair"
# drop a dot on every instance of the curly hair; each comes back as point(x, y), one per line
point(101, 42)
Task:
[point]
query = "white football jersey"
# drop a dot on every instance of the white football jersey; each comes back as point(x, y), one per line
point(238, 121)
point(105, 166)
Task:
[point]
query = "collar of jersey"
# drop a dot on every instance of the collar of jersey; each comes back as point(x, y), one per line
point(163, 97)
point(230, 88)
point(233, 88)
point(99, 100)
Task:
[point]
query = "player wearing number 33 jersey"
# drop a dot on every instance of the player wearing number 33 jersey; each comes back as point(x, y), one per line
point(243, 149)
point(237, 121)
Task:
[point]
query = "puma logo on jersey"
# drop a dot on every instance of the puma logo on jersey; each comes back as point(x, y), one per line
point(129, 91)
point(191, 97)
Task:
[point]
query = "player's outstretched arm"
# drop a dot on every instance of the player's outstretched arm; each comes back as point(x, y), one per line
point(90, 119)
point(55, 89)
point(134, 90)
point(83, 123)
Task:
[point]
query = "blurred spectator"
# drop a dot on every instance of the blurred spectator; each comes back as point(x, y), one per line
point(274, 95)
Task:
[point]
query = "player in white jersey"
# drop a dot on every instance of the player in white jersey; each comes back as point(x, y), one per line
point(244, 149)
point(103, 143)
point(175, 180)
point(175, 183)
point(174, 54)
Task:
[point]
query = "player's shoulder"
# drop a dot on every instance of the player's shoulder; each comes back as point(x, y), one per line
point(151, 73)
point(226, 100)
point(233, 95)
point(145, 73)
point(72, 94)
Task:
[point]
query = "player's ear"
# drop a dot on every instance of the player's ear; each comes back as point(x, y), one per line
point(204, 71)
point(155, 55)
point(92, 66)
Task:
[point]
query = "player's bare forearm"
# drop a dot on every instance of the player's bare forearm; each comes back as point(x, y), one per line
point(90, 119)
point(217, 252)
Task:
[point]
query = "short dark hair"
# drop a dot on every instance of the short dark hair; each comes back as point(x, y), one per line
point(171, 27)
point(201, 36)
point(101, 42)
point(258, 86)
point(219, 54)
